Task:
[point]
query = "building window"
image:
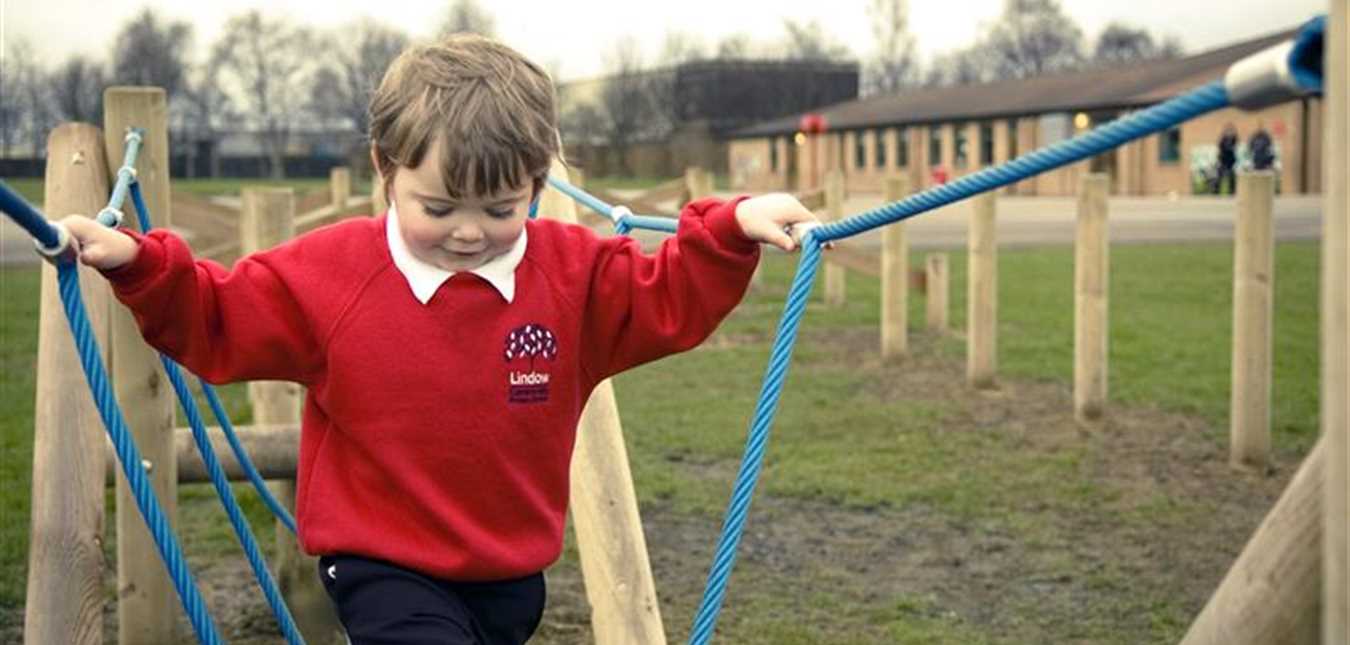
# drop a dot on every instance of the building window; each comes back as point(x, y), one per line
point(935, 145)
point(773, 154)
point(902, 148)
point(879, 143)
point(859, 150)
point(1169, 146)
point(986, 144)
point(960, 154)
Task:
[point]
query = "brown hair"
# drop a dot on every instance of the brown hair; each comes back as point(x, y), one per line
point(493, 110)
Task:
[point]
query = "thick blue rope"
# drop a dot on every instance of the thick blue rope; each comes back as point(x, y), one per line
point(130, 457)
point(625, 223)
point(1160, 117)
point(218, 409)
point(126, 175)
point(242, 530)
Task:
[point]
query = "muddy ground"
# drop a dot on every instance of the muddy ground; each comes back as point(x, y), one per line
point(969, 579)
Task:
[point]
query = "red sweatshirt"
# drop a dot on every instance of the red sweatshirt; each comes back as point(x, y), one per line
point(438, 436)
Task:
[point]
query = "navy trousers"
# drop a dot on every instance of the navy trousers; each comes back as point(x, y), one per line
point(383, 604)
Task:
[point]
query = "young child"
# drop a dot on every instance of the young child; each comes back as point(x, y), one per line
point(447, 347)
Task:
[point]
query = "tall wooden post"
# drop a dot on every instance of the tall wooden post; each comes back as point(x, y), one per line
point(614, 563)
point(1270, 593)
point(982, 295)
point(698, 182)
point(1091, 285)
point(266, 219)
point(938, 279)
point(834, 211)
point(895, 277)
point(65, 545)
point(340, 185)
point(1335, 351)
point(146, 597)
point(1253, 306)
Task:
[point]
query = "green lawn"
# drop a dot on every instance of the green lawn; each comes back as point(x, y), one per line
point(1170, 344)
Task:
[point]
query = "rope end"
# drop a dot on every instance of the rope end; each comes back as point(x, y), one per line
point(63, 251)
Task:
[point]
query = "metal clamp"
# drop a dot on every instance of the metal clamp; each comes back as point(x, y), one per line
point(799, 231)
point(1285, 71)
point(619, 213)
point(110, 217)
point(64, 250)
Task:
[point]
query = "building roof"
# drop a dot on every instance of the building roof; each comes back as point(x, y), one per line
point(1128, 86)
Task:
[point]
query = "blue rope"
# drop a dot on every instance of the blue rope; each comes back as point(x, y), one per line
point(27, 217)
point(242, 530)
point(1160, 117)
point(218, 409)
point(130, 457)
point(624, 223)
point(1204, 99)
point(126, 175)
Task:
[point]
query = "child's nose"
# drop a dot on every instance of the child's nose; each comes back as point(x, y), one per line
point(467, 232)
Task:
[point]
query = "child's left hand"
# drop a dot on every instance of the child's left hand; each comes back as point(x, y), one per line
point(768, 218)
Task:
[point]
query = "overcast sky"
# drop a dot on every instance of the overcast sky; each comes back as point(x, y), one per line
point(573, 36)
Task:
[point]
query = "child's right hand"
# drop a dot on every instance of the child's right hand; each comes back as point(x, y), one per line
point(99, 246)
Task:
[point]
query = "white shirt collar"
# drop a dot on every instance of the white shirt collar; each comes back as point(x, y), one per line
point(425, 279)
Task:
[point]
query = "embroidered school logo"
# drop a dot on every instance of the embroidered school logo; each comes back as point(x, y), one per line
point(533, 342)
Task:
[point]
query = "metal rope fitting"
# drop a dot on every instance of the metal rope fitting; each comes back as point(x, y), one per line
point(799, 231)
point(1285, 71)
point(130, 170)
point(132, 134)
point(64, 250)
point(619, 213)
point(110, 217)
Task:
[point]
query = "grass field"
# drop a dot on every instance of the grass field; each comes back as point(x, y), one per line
point(849, 443)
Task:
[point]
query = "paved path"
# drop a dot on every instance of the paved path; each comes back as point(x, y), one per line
point(1022, 221)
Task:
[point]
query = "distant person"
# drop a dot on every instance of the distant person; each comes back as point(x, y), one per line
point(1227, 159)
point(1261, 149)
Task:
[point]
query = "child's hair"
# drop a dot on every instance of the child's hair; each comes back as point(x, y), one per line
point(492, 108)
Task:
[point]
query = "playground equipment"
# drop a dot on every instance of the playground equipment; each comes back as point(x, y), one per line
point(1235, 608)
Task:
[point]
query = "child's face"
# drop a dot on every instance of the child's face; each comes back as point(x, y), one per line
point(455, 235)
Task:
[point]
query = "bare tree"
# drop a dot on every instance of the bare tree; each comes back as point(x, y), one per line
point(895, 64)
point(626, 98)
point(468, 16)
point(340, 91)
point(809, 41)
point(1120, 44)
point(680, 47)
point(266, 59)
point(77, 90)
point(32, 97)
point(150, 52)
point(735, 46)
point(204, 110)
point(1031, 38)
point(961, 67)
point(15, 66)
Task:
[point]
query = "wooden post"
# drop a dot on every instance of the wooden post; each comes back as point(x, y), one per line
point(65, 545)
point(1253, 304)
point(1091, 286)
point(698, 182)
point(1270, 595)
point(267, 218)
point(982, 296)
point(939, 289)
point(340, 185)
point(1335, 350)
point(147, 603)
point(614, 563)
point(895, 277)
point(835, 282)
